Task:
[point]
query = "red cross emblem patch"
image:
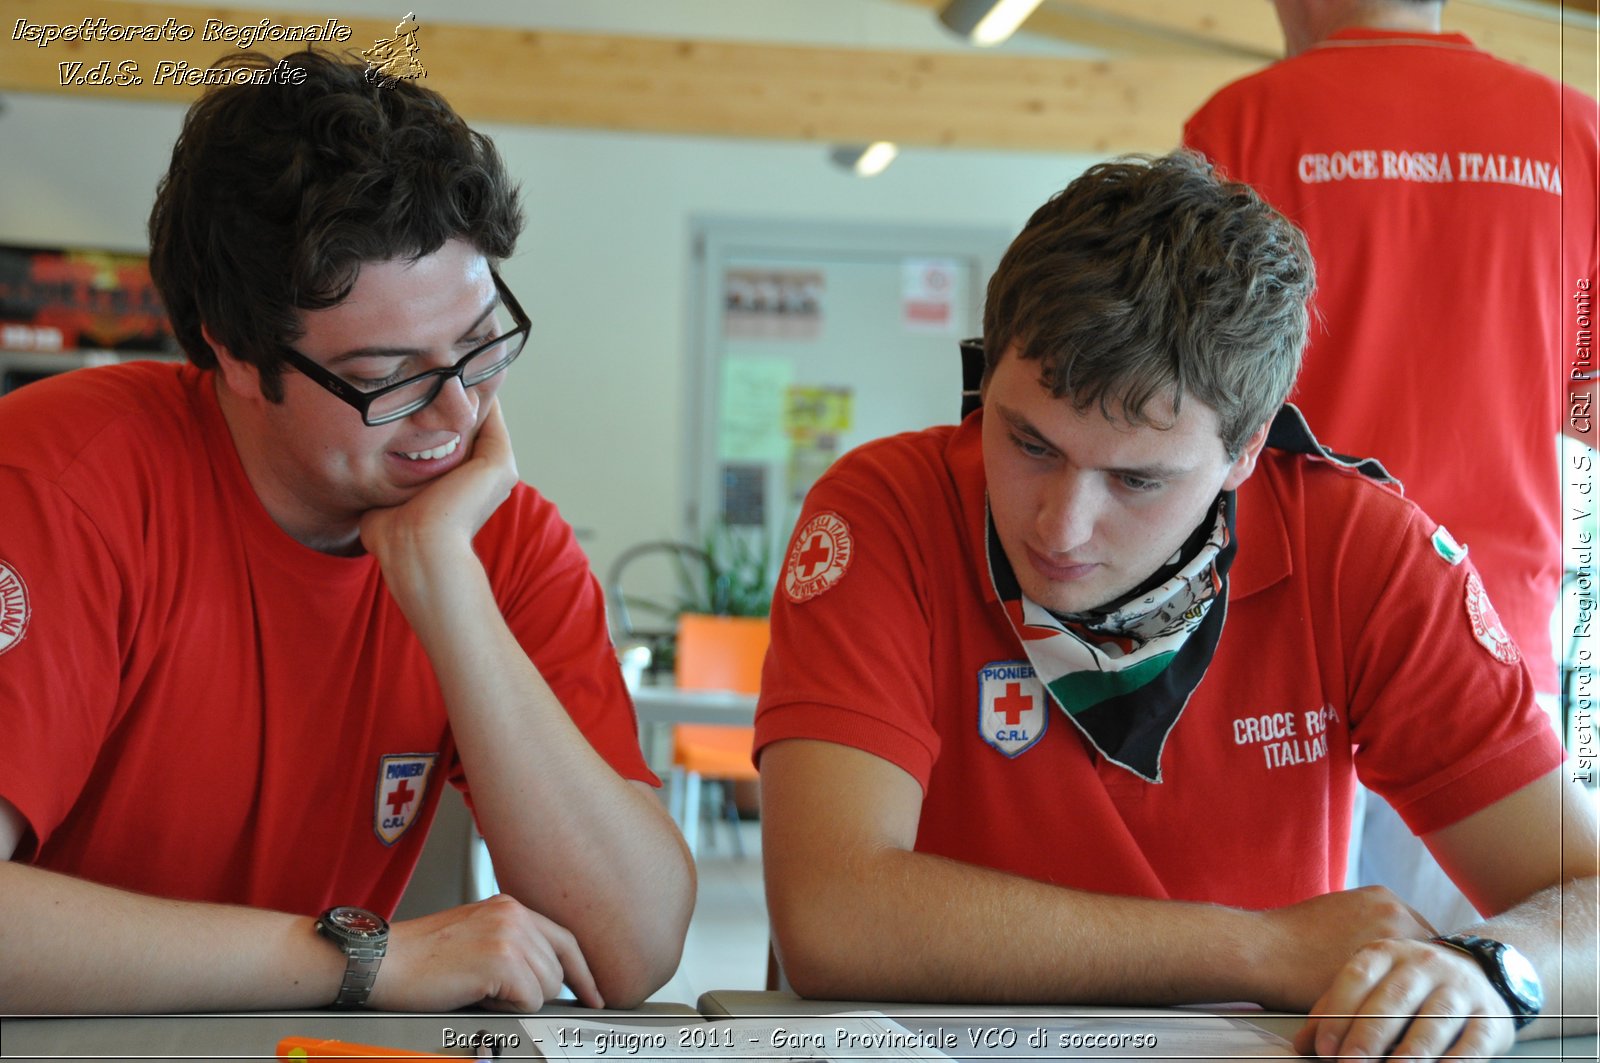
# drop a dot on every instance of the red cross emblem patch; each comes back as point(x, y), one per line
point(1013, 708)
point(1486, 626)
point(14, 607)
point(402, 780)
point(818, 558)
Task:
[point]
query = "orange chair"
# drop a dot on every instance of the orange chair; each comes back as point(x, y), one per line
point(714, 653)
point(708, 751)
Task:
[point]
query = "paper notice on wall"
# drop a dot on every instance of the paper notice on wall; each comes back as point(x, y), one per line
point(744, 495)
point(750, 409)
point(815, 418)
point(772, 304)
point(809, 410)
point(927, 294)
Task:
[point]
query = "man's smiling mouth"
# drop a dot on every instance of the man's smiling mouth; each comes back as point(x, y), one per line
point(442, 451)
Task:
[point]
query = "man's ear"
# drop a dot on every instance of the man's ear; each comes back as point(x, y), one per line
point(238, 376)
point(1245, 463)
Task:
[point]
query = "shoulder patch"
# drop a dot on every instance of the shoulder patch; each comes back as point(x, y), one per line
point(817, 561)
point(15, 607)
point(1486, 626)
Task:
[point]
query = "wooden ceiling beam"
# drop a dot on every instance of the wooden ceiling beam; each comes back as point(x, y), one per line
point(1560, 41)
point(1556, 37)
point(715, 88)
point(1238, 26)
point(1105, 29)
point(961, 98)
point(1562, 48)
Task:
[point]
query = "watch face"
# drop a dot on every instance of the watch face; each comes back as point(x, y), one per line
point(1522, 979)
point(357, 921)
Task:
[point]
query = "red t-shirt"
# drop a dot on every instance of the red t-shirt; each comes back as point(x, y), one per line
point(193, 704)
point(1449, 200)
point(1350, 643)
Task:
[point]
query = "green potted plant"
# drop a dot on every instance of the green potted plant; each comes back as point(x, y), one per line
point(652, 584)
point(722, 631)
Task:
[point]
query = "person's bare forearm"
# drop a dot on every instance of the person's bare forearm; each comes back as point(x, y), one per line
point(1556, 930)
point(901, 925)
point(570, 838)
point(74, 946)
point(859, 914)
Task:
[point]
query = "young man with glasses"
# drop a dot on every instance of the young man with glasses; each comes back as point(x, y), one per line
point(265, 605)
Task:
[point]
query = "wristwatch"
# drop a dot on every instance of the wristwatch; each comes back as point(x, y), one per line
point(1508, 970)
point(363, 937)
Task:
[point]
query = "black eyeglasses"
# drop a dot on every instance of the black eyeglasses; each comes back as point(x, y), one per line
point(405, 398)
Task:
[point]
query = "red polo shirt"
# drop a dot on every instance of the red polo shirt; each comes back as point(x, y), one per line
point(1449, 200)
point(1349, 646)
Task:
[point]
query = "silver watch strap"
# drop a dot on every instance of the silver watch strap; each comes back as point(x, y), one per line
point(360, 972)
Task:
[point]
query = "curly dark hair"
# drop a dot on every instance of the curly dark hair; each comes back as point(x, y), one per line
point(1152, 277)
point(281, 188)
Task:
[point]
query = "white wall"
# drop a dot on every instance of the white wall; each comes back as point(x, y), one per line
point(604, 267)
point(597, 405)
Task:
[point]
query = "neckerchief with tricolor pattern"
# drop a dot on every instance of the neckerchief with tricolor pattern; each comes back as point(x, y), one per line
point(1124, 673)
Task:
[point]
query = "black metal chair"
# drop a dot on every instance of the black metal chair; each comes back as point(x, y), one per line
point(651, 620)
point(971, 375)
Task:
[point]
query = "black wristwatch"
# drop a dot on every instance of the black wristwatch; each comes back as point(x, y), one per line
point(363, 937)
point(1508, 970)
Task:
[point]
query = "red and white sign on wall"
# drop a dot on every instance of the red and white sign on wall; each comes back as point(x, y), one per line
point(927, 294)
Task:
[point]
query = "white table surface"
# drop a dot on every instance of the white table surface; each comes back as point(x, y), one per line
point(667, 705)
point(256, 1036)
point(739, 1003)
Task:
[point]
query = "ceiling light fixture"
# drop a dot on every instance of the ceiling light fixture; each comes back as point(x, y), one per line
point(866, 160)
point(987, 22)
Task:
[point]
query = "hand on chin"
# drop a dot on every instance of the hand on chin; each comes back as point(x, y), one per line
point(446, 512)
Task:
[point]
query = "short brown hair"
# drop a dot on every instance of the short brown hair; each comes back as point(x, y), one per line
point(278, 192)
point(1150, 277)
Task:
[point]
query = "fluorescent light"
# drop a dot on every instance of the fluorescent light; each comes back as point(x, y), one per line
point(987, 22)
point(876, 158)
point(866, 160)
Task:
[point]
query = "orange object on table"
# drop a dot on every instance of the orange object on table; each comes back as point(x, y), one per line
point(297, 1048)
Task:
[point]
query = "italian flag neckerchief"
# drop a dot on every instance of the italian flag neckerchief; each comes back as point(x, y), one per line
point(1123, 673)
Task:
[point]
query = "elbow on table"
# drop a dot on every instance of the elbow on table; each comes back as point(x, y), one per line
point(816, 982)
point(628, 987)
point(634, 969)
point(636, 972)
point(644, 954)
point(820, 960)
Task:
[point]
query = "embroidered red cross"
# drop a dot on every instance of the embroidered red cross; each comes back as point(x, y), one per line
point(1013, 703)
point(401, 797)
point(815, 554)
